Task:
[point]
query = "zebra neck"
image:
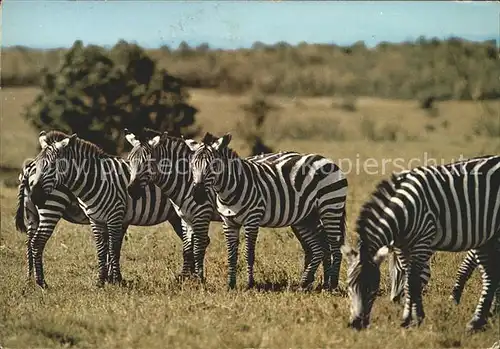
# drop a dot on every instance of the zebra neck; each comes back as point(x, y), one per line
point(87, 175)
point(175, 177)
point(230, 183)
point(370, 245)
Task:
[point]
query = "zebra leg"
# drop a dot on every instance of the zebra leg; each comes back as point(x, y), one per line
point(180, 228)
point(464, 272)
point(109, 263)
point(29, 250)
point(200, 241)
point(327, 258)
point(101, 240)
point(487, 259)
point(333, 220)
point(115, 235)
point(232, 241)
point(251, 232)
point(313, 241)
point(307, 251)
point(414, 308)
point(48, 220)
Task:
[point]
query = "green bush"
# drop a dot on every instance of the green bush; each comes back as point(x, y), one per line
point(97, 93)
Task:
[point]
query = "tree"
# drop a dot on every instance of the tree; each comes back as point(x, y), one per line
point(97, 93)
point(251, 128)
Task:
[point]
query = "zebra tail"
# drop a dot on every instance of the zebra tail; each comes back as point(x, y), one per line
point(20, 225)
point(343, 224)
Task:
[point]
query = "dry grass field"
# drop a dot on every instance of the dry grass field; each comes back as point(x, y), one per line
point(155, 311)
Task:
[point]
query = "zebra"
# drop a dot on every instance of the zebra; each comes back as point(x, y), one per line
point(149, 151)
point(306, 192)
point(61, 203)
point(453, 207)
point(174, 183)
point(69, 167)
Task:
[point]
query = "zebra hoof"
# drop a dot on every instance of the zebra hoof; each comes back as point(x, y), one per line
point(231, 285)
point(184, 276)
point(250, 285)
point(406, 323)
point(306, 288)
point(200, 278)
point(100, 283)
point(455, 298)
point(42, 284)
point(476, 325)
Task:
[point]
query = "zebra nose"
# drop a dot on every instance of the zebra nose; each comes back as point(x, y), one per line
point(38, 196)
point(134, 190)
point(199, 193)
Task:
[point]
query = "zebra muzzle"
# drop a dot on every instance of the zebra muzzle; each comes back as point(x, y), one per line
point(199, 193)
point(38, 196)
point(134, 190)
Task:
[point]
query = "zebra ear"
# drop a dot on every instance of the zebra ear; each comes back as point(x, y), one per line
point(153, 142)
point(349, 253)
point(163, 136)
point(381, 254)
point(66, 141)
point(131, 138)
point(192, 144)
point(222, 142)
point(42, 138)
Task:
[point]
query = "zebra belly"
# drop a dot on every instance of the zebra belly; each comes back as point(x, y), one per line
point(234, 217)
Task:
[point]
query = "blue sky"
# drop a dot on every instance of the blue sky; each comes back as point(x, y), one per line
point(232, 24)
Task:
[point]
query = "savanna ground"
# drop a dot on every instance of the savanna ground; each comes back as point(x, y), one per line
point(155, 311)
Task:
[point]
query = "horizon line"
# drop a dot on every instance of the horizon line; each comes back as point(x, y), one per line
point(194, 44)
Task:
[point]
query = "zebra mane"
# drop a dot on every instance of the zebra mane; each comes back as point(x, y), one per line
point(57, 136)
point(210, 139)
point(379, 199)
point(149, 133)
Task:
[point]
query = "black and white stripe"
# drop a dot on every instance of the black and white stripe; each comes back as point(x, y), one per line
point(306, 192)
point(92, 186)
point(164, 160)
point(454, 207)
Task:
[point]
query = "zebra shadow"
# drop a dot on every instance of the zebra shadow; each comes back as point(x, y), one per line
point(282, 285)
point(285, 285)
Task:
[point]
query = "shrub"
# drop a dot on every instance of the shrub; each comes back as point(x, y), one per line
point(347, 104)
point(488, 124)
point(96, 94)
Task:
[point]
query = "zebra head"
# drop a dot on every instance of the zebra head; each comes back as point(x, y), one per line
point(206, 163)
point(51, 167)
point(363, 279)
point(142, 162)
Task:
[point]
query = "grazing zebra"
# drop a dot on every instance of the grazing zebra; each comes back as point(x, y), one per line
point(69, 167)
point(397, 262)
point(454, 207)
point(153, 150)
point(306, 192)
point(61, 203)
